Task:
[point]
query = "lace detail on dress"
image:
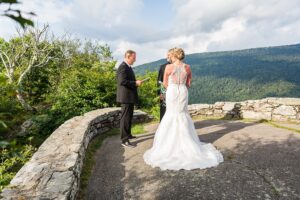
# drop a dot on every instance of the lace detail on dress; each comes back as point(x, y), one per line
point(178, 75)
point(176, 144)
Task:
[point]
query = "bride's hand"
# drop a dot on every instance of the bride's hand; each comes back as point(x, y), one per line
point(161, 97)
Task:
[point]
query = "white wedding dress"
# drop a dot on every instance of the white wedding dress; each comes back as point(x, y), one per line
point(176, 144)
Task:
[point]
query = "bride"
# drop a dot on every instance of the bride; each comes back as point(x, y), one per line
point(176, 144)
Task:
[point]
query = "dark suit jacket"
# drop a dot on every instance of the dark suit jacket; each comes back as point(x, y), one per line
point(161, 76)
point(126, 85)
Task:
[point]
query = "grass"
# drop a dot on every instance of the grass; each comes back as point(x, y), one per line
point(226, 118)
point(199, 117)
point(89, 161)
point(250, 120)
point(253, 120)
point(137, 129)
point(274, 124)
point(283, 127)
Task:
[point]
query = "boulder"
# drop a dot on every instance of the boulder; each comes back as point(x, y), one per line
point(256, 115)
point(285, 110)
point(284, 101)
point(228, 106)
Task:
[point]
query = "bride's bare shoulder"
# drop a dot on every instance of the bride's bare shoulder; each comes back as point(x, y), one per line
point(169, 67)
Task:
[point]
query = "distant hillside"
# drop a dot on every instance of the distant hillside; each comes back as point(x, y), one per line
point(241, 75)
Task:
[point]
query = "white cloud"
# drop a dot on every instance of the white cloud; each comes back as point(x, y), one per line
point(237, 24)
point(105, 14)
point(218, 25)
point(197, 25)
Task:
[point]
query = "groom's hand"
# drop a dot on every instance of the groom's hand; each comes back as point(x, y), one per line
point(138, 83)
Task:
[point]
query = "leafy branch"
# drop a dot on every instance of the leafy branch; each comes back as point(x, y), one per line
point(16, 14)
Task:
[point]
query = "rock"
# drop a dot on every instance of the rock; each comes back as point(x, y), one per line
point(25, 127)
point(32, 125)
point(285, 110)
point(228, 106)
point(285, 101)
point(54, 170)
point(251, 101)
point(140, 116)
point(58, 161)
point(288, 108)
point(256, 115)
point(62, 179)
point(202, 106)
point(209, 112)
point(219, 105)
point(218, 111)
point(263, 107)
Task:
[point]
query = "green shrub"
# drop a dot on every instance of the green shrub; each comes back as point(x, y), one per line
point(83, 90)
point(12, 157)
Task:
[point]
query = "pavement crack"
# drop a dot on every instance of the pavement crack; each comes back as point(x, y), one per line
point(275, 189)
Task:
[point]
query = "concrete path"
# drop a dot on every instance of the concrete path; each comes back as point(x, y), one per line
point(261, 162)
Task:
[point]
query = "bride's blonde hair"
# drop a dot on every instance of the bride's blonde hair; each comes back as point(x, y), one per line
point(177, 53)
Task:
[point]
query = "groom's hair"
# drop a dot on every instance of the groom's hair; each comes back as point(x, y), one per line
point(129, 53)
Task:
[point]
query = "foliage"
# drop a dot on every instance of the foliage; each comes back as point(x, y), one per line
point(85, 89)
point(80, 78)
point(16, 14)
point(148, 98)
point(137, 129)
point(241, 75)
point(13, 156)
point(209, 89)
point(11, 113)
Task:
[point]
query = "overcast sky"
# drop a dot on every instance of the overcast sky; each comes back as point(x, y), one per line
point(151, 27)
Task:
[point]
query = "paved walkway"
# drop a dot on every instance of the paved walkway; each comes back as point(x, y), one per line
point(261, 162)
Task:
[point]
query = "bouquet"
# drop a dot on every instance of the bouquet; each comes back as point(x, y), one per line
point(163, 91)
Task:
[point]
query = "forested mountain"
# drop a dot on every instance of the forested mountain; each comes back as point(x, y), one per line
point(241, 75)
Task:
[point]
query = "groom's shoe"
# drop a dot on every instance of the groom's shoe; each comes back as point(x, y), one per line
point(131, 137)
point(127, 144)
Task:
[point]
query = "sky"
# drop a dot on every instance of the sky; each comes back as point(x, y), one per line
point(151, 27)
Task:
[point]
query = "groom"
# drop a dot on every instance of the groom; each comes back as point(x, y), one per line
point(160, 80)
point(127, 96)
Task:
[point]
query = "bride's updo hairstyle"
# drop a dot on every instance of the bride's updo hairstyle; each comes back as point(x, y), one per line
point(177, 53)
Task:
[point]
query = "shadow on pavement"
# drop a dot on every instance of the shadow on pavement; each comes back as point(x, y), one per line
point(224, 126)
point(257, 168)
point(254, 170)
point(106, 181)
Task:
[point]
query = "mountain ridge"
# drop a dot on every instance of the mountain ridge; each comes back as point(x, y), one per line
point(241, 74)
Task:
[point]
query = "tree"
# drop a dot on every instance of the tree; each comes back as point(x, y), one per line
point(16, 14)
point(21, 55)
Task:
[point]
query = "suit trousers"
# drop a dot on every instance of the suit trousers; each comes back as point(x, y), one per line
point(162, 109)
point(126, 121)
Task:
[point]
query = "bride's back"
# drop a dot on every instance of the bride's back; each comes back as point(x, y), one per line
point(178, 74)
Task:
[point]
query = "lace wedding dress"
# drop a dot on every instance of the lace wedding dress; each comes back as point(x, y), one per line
point(176, 144)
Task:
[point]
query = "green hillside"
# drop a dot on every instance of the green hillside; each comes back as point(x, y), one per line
point(241, 75)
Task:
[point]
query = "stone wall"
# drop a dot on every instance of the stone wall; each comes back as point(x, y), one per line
point(54, 170)
point(276, 109)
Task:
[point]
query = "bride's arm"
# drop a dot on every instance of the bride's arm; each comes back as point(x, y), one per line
point(189, 76)
point(166, 76)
